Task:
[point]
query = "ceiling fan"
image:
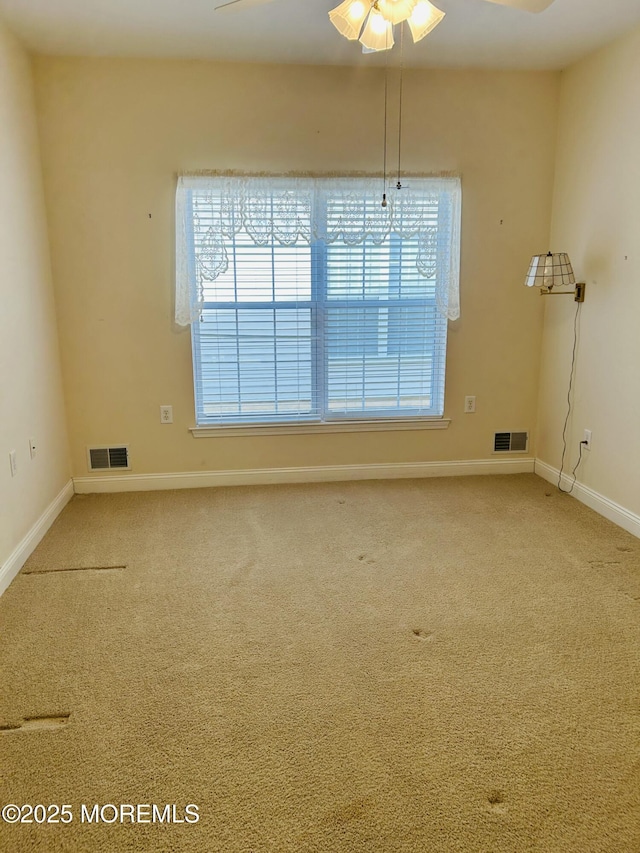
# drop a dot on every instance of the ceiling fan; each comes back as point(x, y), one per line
point(372, 21)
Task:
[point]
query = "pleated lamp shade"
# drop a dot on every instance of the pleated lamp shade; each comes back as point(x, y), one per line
point(378, 33)
point(424, 18)
point(348, 17)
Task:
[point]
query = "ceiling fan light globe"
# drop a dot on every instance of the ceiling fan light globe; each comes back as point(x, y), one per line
point(396, 11)
point(424, 18)
point(357, 11)
point(347, 18)
point(378, 33)
point(378, 25)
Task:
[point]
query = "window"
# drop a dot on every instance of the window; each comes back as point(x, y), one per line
point(311, 304)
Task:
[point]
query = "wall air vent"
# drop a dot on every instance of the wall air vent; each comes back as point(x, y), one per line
point(108, 458)
point(510, 442)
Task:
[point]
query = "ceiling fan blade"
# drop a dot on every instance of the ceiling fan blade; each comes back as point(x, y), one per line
point(238, 5)
point(525, 5)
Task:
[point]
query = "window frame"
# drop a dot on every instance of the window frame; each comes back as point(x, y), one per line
point(321, 418)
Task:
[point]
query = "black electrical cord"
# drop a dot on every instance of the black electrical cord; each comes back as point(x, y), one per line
point(566, 422)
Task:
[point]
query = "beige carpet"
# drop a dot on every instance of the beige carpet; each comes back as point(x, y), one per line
point(421, 666)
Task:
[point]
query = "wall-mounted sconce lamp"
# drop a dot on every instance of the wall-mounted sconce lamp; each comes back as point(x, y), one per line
point(549, 271)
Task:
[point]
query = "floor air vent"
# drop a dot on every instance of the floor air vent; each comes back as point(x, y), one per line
point(107, 458)
point(510, 442)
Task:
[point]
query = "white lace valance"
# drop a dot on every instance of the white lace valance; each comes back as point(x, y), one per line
point(212, 211)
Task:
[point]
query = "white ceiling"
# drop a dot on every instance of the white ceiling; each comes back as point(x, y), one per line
point(474, 33)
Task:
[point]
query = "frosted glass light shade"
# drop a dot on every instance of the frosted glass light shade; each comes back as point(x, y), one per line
point(424, 18)
point(550, 271)
point(378, 33)
point(396, 11)
point(347, 18)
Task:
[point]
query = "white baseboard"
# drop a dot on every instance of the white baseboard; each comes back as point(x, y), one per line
point(319, 474)
point(21, 553)
point(594, 500)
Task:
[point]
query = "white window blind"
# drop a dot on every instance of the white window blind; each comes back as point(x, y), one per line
point(317, 309)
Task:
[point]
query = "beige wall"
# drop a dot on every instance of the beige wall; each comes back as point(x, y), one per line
point(31, 403)
point(115, 133)
point(596, 219)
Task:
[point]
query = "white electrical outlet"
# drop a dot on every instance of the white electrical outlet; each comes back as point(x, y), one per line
point(32, 448)
point(469, 405)
point(13, 463)
point(586, 441)
point(166, 414)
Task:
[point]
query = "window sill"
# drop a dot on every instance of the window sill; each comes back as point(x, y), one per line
point(310, 428)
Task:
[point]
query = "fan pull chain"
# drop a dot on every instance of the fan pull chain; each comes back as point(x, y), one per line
point(384, 156)
point(399, 184)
